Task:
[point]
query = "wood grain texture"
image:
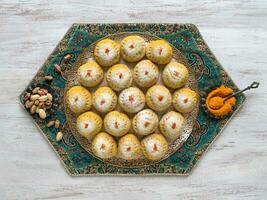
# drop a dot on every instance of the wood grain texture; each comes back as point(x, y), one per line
point(234, 167)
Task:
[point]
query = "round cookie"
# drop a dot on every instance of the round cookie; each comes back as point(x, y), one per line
point(171, 125)
point(129, 147)
point(145, 73)
point(78, 99)
point(104, 146)
point(145, 122)
point(89, 124)
point(185, 100)
point(133, 48)
point(107, 52)
point(159, 51)
point(90, 74)
point(104, 99)
point(175, 75)
point(158, 98)
point(119, 77)
point(116, 123)
point(132, 100)
point(154, 146)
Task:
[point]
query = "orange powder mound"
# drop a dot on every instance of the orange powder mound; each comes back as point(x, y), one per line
point(215, 101)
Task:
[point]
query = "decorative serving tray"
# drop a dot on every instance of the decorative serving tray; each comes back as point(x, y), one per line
point(80, 37)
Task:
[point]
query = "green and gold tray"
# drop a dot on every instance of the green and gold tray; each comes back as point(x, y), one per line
point(208, 73)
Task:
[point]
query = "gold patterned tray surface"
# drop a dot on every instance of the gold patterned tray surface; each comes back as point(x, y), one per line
point(190, 48)
point(71, 80)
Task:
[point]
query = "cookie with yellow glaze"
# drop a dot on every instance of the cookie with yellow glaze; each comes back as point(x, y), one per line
point(145, 122)
point(78, 99)
point(104, 146)
point(132, 100)
point(175, 75)
point(158, 98)
point(129, 147)
point(133, 48)
point(107, 52)
point(89, 124)
point(145, 73)
point(185, 100)
point(104, 99)
point(90, 74)
point(117, 123)
point(154, 146)
point(159, 51)
point(119, 77)
point(171, 125)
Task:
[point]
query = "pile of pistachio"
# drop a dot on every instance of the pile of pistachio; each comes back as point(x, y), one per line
point(38, 101)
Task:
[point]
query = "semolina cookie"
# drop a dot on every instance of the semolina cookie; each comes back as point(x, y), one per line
point(145, 122)
point(104, 99)
point(89, 124)
point(175, 75)
point(78, 99)
point(154, 146)
point(145, 73)
point(119, 77)
point(104, 146)
point(129, 147)
point(133, 48)
point(158, 98)
point(90, 74)
point(159, 51)
point(185, 100)
point(171, 125)
point(107, 52)
point(117, 123)
point(132, 100)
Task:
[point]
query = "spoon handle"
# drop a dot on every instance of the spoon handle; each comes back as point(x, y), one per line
point(251, 86)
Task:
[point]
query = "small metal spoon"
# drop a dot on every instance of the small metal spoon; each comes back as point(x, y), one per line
point(221, 100)
point(251, 86)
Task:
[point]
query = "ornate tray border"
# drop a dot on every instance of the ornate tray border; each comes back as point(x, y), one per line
point(209, 73)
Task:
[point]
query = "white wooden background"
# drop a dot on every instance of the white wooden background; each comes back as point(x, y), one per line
point(234, 168)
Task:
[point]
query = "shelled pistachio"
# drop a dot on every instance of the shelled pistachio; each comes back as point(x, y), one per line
point(51, 123)
point(42, 113)
point(59, 136)
point(48, 78)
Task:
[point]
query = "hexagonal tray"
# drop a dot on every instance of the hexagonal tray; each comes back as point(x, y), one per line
point(208, 72)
